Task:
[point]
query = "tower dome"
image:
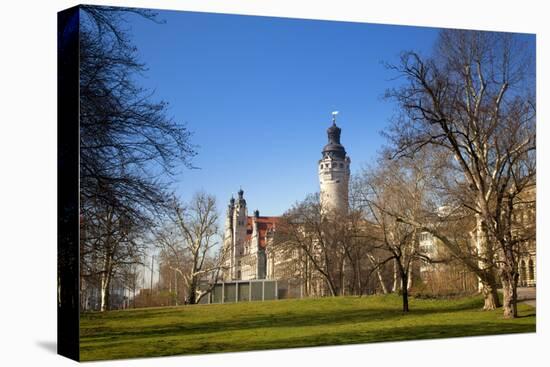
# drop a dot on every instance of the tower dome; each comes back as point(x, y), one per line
point(333, 147)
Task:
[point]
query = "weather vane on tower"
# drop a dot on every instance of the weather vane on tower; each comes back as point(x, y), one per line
point(334, 113)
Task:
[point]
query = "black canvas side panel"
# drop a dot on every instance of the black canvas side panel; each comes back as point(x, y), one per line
point(67, 183)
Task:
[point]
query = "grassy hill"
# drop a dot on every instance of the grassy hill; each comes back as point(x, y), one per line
point(286, 324)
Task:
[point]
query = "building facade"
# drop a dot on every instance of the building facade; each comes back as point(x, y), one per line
point(523, 228)
point(245, 240)
point(525, 221)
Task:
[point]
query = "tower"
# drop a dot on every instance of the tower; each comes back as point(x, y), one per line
point(228, 240)
point(239, 232)
point(334, 172)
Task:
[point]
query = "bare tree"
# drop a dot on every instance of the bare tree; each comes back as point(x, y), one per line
point(127, 141)
point(475, 100)
point(388, 192)
point(190, 237)
point(110, 242)
point(328, 244)
point(129, 146)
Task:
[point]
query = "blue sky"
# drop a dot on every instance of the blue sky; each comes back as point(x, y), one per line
point(258, 93)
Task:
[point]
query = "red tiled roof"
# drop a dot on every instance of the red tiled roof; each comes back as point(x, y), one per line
point(264, 224)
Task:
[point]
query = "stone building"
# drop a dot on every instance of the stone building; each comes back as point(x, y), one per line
point(525, 221)
point(450, 277)
point(524, 227)
point(246, 238)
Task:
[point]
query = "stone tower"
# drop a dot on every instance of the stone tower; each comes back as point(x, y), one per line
point(228, 241)
point(334, 172)
point(235, 234)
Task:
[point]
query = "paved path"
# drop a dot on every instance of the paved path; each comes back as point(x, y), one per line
point(528, 295)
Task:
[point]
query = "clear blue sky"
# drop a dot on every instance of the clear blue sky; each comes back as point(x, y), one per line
point(258, 93)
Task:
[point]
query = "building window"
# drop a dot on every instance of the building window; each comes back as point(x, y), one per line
point(531, 270)
point(523, 272)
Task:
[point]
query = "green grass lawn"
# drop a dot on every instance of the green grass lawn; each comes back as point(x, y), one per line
point(286, 324)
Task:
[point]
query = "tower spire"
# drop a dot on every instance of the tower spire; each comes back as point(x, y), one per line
point(334, 113)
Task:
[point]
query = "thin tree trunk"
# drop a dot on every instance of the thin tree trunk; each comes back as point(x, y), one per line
point(343, 277)
point(176, 287)
point(105, 290)
point(192, 298)
point(331, 286)
point(404, 291)
point(395, 286)
point(106, 283)
point(381, 280)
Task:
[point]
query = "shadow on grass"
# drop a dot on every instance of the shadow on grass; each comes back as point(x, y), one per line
point(279, 318)
point(420, 332)
point(399, 334)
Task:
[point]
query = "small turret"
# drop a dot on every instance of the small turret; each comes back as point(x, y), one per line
point(228, 240)
point(239, 229)
point(242, 201)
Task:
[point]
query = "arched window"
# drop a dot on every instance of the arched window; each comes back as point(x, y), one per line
point(531, 270)
point(522, 272)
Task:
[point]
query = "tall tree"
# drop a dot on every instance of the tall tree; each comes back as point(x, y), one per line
point(127, 141)
point(474, 98)
point(129, 146)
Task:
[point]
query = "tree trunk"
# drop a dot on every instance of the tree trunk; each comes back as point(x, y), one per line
point(105, 290)
point(395, 286)
point(192, 298)
point(405, 292)
point(491, 300)
point(490, 294)
point(343, 277)
point(175, 287)
point(489, 284)
point(332, 288)
point(510, 295)
point(106, 283)
point(381, 280)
